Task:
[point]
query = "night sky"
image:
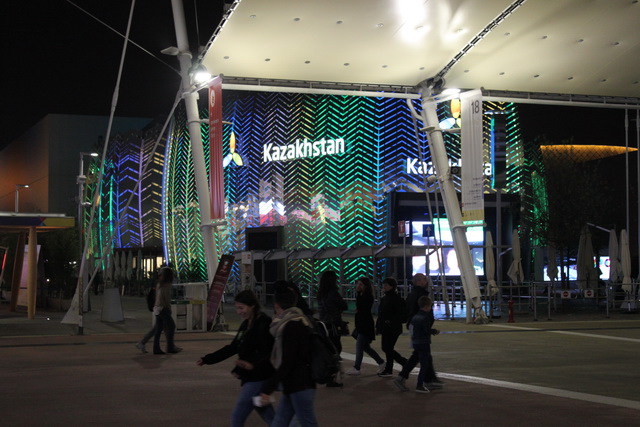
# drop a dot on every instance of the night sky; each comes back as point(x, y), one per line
point(60, 60)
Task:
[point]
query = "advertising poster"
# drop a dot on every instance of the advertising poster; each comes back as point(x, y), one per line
point(217, 288)
point(472, 167)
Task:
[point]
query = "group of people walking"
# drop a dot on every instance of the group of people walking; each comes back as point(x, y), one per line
point(393, 314)
point(275, 354)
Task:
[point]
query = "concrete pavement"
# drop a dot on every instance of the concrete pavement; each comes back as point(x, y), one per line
point(575, 370)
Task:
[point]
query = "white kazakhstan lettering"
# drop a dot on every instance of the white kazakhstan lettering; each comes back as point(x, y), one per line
point(415, 167)
point(302, 149)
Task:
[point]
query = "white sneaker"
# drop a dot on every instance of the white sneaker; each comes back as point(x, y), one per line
point(382, 367)
point(353, 371)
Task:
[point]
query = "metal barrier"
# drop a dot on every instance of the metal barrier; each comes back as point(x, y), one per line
point(526, 297)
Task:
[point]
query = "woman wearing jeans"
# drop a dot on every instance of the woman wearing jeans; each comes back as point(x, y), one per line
point(253, 344)
point(364, 326)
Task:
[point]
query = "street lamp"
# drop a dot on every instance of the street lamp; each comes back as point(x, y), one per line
point(83, 273)
point(18, 187)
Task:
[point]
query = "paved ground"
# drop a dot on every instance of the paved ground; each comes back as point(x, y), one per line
point(578, 369)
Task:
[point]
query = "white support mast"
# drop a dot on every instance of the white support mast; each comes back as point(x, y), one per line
point(190, 97)
point(440, 161)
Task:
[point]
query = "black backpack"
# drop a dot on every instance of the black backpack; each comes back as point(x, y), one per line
point(151, 298)
point(325, 360)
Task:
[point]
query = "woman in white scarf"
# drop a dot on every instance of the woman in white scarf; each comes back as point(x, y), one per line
point(291, 356)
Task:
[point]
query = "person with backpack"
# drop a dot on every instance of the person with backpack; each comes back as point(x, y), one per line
point(253, 344)
point(392, 313)
point(291, 358)
point(364, 326)
point(160, 303)
point(325, 360)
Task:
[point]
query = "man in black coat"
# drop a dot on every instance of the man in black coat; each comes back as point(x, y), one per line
point(392, 313)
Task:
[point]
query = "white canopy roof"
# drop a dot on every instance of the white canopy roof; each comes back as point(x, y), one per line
point(589, 49)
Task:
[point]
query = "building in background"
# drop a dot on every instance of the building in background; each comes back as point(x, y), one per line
point(46, 157)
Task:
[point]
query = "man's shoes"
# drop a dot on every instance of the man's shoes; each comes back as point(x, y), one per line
point(175, 350)
point(435, 385)
point(422, 389)
point(140, 347)
point(381, 367)
point(334, 384)
point(158, 352)
point(400, 383)
point(353, 371)
point(385, 374)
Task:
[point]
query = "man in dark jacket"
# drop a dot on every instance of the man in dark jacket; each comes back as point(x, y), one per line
point(418, 289)
point(392, 313)
point(291, 357)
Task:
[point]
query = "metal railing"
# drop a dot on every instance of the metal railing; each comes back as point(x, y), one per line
point(527, 297)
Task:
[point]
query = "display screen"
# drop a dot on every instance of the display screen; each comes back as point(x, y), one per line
point(572, 270)
point(438, 232)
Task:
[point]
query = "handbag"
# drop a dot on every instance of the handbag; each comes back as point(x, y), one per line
point(342, 328)
point(354, 334)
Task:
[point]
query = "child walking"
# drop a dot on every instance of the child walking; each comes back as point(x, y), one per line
point(421, 332)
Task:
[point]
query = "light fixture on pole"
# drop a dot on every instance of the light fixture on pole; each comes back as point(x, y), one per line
point(18, 188)
point(199, 74)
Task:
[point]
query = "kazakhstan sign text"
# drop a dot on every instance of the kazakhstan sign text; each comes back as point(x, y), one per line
point(302, 149)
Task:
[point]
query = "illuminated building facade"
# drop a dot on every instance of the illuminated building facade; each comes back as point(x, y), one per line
point(129, 214)
point(320, 169)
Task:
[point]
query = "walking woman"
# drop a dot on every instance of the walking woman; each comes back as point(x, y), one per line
point(253, 344)
point(364, 327)
point(162, 311)
point(331, 305)
point(392, 313)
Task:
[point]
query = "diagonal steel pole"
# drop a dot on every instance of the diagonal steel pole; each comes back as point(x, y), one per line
point(440, 161)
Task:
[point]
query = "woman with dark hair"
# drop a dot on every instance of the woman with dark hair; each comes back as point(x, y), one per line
point(392, 314)
point(291, 358)
point(301, 303)
point(364, 326)
point(162, 311)
point(253, 344)
point(331, 305)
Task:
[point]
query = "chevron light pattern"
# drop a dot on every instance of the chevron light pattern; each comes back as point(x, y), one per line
point(336, 200)
point(139, 225)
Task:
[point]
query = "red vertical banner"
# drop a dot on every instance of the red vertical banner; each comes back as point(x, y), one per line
point(216, 180)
